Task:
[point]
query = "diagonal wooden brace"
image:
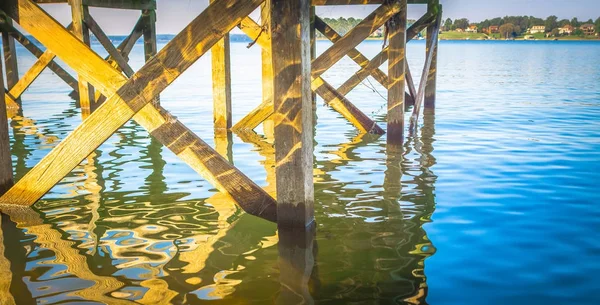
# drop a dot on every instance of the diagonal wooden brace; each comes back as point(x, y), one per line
point(337, 101)
point(380, 58)
point(353, 38)
point(133, 96)
point(354, 54)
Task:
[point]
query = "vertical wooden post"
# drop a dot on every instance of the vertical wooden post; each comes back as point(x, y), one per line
point(267, 70)
point(397, 75)
point(221, 77)
point(81, 31)
point(313, 45)
point(290, 45)
point(432, 7)
point(10, 57)
point(150, 43)
point(6, 172)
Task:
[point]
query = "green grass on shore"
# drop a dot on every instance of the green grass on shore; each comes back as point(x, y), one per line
point(461, 36)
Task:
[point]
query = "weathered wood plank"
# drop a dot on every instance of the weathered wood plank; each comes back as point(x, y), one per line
point(424, 79)
point(396, 73)
point(124, 49)
point(32, 74)
point(338, 102)
point(353, 38)
point(81, 31)
point(344, 107)
point(267, 67)
point(221, 84)
point(123, 4)
point(31, 47)
point(433, 7)
point(150, 42)
point(135, 95)
point(359, 2)
point(10, 58)
point(6, 172)
point(354, 54)
point(290, 34)
point(380, 58)
point(107, 44)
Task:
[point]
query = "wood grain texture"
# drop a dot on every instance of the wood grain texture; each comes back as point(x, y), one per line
point(10, 57)
point(338, 102)
point(396, 73)
point(359, 2)
point(81, 31)
point(6, 172)
point(107, 44)
point(134, 95)
point(221, 85)
point(290, 34)
point(150, 43)
point(267, 67)
point(353, 38)
point(354, 54)
point(380, 58)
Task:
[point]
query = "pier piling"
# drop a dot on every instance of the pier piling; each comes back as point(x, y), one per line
point(81, 31)
point(433, 7)
point(292, 99)
point(6, 171)
point(293, 75)
point(396, 30)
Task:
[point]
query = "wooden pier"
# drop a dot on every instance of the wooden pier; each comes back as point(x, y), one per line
point(110, 92)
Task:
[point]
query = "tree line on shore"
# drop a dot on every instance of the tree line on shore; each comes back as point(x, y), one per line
point(518, 25)
point(507, 26)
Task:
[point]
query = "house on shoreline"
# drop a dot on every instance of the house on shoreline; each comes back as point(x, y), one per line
point(537, 29)
point(493, 29)
point(566, 30)
point(472, 29)
point(588, 29)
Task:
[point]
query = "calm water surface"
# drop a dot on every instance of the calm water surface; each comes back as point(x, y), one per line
point(494, 201)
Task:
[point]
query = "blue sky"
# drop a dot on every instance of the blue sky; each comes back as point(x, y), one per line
point(173, 15)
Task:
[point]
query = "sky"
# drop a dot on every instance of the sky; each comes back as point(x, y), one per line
point(174, 15)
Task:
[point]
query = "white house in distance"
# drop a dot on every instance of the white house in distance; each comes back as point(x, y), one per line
point(471, 29)
point(537, 29)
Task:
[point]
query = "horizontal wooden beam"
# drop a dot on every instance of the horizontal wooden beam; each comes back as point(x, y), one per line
point(136, 94)
point(358, 2)
point(119, 4)
point(353, 38)
point(336, 101)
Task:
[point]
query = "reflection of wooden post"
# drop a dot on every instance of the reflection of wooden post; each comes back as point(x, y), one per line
point(296, 263)
point(293, 112)
point(429, 102)
point(6, 173)
point(150, 43)
point(221, 77)
point(10, 57)
point(397, 79)
point(267, 69)
point(81, 31)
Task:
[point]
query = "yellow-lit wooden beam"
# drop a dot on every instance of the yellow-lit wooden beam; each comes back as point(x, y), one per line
point(135, 95)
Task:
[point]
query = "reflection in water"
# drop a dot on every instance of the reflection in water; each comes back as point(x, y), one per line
point(102, 239)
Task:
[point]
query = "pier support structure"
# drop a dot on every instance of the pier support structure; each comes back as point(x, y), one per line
point(293, 115)
point(292, 72)
point(433, 7)
point(6, 171)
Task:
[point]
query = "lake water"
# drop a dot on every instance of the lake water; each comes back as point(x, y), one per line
point(494, 201)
